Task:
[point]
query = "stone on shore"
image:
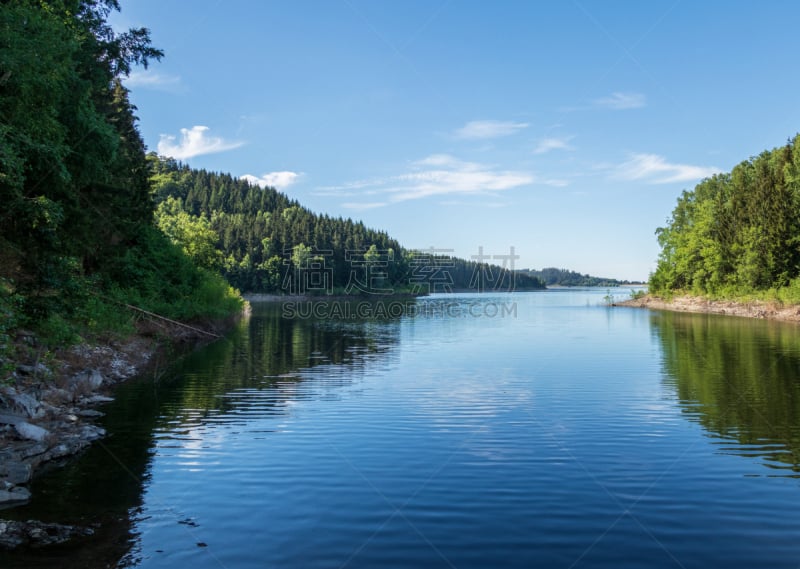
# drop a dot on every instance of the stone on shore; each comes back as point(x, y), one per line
point(32, 432)
point(14, 495)
point(89, 380)
point(37, 534)
point(24, 403)
point(15, 472)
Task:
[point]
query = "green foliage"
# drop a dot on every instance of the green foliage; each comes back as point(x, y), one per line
point(637, 294)
point(193, 234)
point(302, 256)
point(154, 274)
point(77, 240)
point(736, 234)
point(10, 314)
point(56, 330)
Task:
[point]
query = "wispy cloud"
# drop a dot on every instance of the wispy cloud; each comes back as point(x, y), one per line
point(149, 79)
point(436, 175)
point(193, 142)
point(656, 170)
point(442, 174)
point(555, 182)
point(362, 206)
point(278, 180)
point(477, 130)
point(619, 101)
point(347, 189)
point(553, 143)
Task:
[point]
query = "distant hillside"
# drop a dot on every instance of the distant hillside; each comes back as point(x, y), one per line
point(552, 276)
point(263, 241)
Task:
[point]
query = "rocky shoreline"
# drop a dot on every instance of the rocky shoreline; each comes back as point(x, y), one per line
point(686, 303)
point(48, 410)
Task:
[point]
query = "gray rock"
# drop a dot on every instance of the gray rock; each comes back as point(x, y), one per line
point(92, 433)
point(89, 413)
point(32, 432)
point(86, 381)
point(14, 472)
point(15, 495)
point(64, 449)
point(33, 533)
point(38, 370)
point(58, 396)
point(22, 402)
point(32, 451)
point(98, 399)
point(9, 419)
point(89, 379)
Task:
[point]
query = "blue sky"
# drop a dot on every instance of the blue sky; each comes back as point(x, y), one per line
point(566, 129)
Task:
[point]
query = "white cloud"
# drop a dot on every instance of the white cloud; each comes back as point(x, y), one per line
point(350, 189)
point(194, 142)
point(619, 101)
point(442, 175)
point(488, 129)
point(452, 176)
point(553, 143)
point(151, 80)
point(656, 170)
point(277, 180)
point(361, 206)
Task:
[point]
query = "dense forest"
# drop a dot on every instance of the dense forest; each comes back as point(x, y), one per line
point(262, 241)
point(552, 276)
point(77, 238)
point(738, 233)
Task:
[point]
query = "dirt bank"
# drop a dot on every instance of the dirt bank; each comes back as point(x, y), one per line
point(755, 309)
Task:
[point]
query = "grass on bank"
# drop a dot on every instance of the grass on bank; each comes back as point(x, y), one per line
point(152, 275)
point(788, 295)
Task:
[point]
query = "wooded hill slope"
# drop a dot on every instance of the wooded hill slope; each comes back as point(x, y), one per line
point(262, 241)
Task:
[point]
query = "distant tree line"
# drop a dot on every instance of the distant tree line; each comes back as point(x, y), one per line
point(737, 233)
point(552, 276)
point(262, 241)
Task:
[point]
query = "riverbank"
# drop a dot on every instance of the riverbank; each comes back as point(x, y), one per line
point(687, 303)
point(48, 408)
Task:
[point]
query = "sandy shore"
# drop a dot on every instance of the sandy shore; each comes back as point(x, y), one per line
point(755, 309)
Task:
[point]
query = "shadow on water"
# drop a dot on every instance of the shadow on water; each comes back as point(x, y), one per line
point(103, 488)
point(740, 379)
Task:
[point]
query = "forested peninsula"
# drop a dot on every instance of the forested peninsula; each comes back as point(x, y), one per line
point(553, 276)
point(732, 244)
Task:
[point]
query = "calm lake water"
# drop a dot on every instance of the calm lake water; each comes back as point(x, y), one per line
point(520, 430)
